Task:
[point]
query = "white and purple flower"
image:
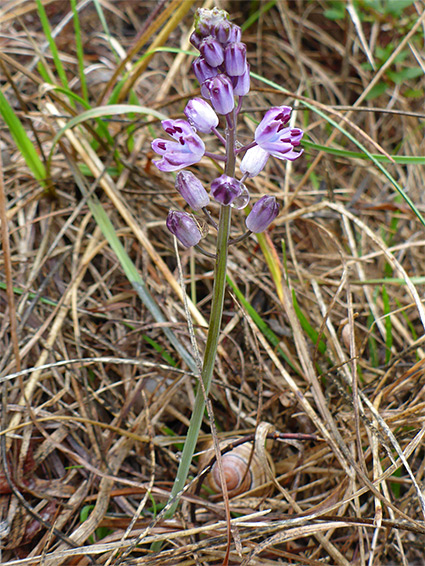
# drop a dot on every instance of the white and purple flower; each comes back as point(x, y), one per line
point(273, 136)
point(186, 150)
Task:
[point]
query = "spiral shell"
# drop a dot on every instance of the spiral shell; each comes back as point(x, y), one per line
point(239, 478)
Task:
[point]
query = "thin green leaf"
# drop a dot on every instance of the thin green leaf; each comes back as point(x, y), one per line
point(306, 326)
point(23, 143)
point(262, 326)
point(79, 50)
point(48, 33)
point(399, 159)
point(388, 324)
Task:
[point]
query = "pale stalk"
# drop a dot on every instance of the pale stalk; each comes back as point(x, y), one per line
point(213, 330)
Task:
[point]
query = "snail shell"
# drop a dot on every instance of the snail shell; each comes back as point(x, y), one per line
point(239, 478)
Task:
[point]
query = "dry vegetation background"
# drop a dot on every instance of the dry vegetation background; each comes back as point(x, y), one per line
point(90, 448)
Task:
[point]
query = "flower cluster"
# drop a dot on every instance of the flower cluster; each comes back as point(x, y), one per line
point(223, 74)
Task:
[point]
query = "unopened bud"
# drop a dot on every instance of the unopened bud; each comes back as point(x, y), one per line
point(254, 161)
point(262, 214)
point(220, 92)
point(203, 71)
point(242, 83)
point(235, 59)
point(184, 227)
point(192, 190)
point(226, 32)
point(212, 51)
point(226, 189)
point(200, 115)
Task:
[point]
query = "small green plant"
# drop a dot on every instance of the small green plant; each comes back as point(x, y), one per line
point(100, 532)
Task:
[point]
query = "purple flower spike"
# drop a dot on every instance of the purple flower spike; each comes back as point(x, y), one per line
point(220, 90)
point(186, 150)
point(262, 214)
point(212, 51)
point(192, 190)
point(184, 227)
point(273, 136)
point(254, 161)
point(202, 70)
point(200, 115)
point(226, 189)
point(235, 59)
point(242, 83)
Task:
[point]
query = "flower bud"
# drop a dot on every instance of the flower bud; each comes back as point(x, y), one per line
point(196, 39)
point(212, 51)
point(220, 91)
point(235, 59)
point(262, 214)
point(184, 227)
point(226, 32)
point(242, 83)
point(192, 190)
point(203, 71)
point(226, 189)
point(200, 115)
point(254, 161)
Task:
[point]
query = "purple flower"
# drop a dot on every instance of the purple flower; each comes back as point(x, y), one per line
point(254, 160)
point(226, 32)
point(235, 59)
point(226, 189)
point(192, 190)
point(184, 227)
point(273, 136)
point(262, 214)
point(212, 51)
point(200, 115)
point(220, 92)
point(203, 71)
point(241, 84)
point(186, 150)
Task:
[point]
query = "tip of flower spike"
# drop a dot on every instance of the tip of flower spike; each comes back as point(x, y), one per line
point(205, 20)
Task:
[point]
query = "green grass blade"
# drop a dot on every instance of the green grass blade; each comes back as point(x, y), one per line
point(79, 50)
point(306, 326)
point(262, 326)
point(23, 143)
point(399, 159)
point(53, 49)
point(388, 324)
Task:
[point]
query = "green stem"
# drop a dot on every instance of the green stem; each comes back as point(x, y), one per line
point(213, 330)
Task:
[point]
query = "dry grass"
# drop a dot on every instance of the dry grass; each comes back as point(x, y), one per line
point(92, 426)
